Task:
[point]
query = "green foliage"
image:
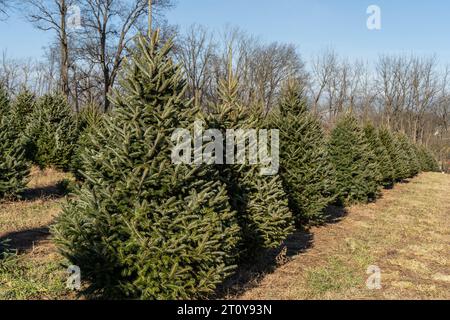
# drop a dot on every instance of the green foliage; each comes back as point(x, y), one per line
point(21, 109)
point(398, 155)
point(305, 166)
point(52, 132)
point(411, 157)
point(14, 168)
point(357, 172)
point(427, 160)
point(381, 154)
point(260, 201)
point(141, 226)
point(88, 120)
point(4, 100)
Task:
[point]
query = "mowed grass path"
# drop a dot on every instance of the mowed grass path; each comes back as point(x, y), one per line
point(406, 234)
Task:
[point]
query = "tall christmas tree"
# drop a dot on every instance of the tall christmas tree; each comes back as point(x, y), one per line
point(4, 100)
point(14, 169)
point(306, 168)
point(381, 155)
point(143, 226)
point(357, 171)
point(413, 163)
point(52, 132)
point(398, 155)
point(21, 109)
point(259, 200)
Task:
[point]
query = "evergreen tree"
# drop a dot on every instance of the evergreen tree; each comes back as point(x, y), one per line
point(398, 156)
point(306, 169)
point(381, 154)
point(411, 157)
point(142, 226)
point(88, 120)
point(4, 100)
point(21, 109)
point(260, 201)
point(428, 162)
point(14, 169)
point(357, 172)
point(52, 132)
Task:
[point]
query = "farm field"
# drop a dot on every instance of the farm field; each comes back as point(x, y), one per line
point(406, 234)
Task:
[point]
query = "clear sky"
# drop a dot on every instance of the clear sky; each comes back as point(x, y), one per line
point(418, 26)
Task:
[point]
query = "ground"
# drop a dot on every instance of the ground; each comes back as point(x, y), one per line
point(405, 234)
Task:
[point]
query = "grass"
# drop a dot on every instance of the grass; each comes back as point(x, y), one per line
point(406, 234)
point(34, 269)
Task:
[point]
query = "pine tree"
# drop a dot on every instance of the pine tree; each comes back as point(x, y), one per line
point(305, 166)
point(52, 132)
point(381, 154)
point(14, 169)
point(398, 156)
point(142, 226)
point(427, 161)
point(260, 201)
point(357, 172)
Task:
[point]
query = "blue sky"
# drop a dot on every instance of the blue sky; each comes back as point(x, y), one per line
point(421, 27)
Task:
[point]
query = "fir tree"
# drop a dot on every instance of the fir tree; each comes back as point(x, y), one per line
point(357, 172)
point(144, 227)
point(14, 169)
point(398, 156)
point(21, 109)
point(4, 100)
point(88, 121)
point(305, 166)
point(52, 132)
point(260, 201)
point(381, 154)
point(411, 157)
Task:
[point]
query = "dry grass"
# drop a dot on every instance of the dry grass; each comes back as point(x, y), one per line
point(406, 234)
point(35, 272)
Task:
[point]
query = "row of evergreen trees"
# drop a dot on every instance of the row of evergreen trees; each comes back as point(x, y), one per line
point(143, 227)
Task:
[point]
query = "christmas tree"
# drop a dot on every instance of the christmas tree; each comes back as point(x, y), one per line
point(259, 200)
point(142, 226)
point(52, 132)
point(88, 121)
point(21, 109)
point(14, 169)
point(411, 157)
point(306, 169)
point(357, 172)
point(381, 154)
point(398, 155)
point(4, 100)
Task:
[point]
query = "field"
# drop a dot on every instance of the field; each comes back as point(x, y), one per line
point(406, 234)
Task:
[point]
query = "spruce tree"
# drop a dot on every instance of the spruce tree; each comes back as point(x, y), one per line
point(52, 132)
point(381, 154)
point(142, 226)
point(260, 201)
point(398, 155)
point(305, 166)
point(14, 169)
point(357, 172)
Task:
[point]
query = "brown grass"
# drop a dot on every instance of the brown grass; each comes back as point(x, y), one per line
point(406, 234)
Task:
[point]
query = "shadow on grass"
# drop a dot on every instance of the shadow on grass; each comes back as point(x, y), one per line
point(58, 190)
point(249, 274)
point(24, 240)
